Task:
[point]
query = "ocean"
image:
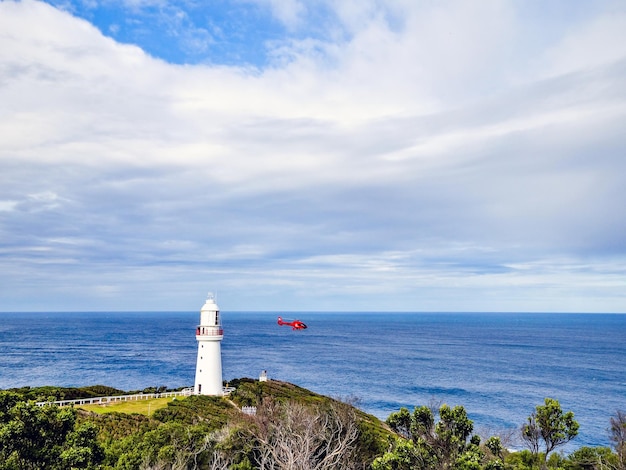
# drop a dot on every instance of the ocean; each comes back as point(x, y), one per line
point(498, 366)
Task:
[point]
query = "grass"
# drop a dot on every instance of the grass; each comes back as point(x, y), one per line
point(144, 407)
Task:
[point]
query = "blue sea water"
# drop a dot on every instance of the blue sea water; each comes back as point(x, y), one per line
point(498, 366)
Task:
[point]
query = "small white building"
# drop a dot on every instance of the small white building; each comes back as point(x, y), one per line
point(209, 334)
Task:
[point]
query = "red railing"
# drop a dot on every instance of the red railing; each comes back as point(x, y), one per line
point(209, 331)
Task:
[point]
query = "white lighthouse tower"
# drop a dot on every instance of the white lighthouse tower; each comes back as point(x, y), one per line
point(209, 334)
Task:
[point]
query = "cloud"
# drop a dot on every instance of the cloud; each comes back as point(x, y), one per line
point(597, 43)
point(405, 161)
point(7, 206)
point(289, 12)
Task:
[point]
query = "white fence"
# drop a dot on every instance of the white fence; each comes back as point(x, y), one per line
point(117, 398)
point(249, 410)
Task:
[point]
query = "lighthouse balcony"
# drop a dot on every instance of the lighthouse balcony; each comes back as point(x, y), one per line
point(203, 331)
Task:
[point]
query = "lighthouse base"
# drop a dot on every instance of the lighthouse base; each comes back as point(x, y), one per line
point(209, 369)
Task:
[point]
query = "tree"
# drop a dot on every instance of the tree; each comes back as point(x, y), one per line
point(548, 424)
point(494, 444)
point(591, 458)
point(400, 422)
point(531, 435)
point(453, 430)
point(82, 449)
point(294, 436)
point(617, 434)
point(33, 437)
point(432, 445)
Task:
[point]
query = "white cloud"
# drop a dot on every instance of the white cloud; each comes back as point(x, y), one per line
point(602, 41)
point(7, 206)
point(402, 158)
point(288, 12)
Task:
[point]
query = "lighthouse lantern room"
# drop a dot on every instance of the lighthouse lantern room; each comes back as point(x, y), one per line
point(209, 334)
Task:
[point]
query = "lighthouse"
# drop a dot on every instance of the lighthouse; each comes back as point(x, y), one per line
point(209, 334)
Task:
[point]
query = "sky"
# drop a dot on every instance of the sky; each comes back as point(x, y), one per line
point(320, 155)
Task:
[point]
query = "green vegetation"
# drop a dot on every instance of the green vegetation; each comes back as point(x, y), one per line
point(550, 426)
point(64, 393)
point(423, 443)
point(293, 429)
point(48, 437)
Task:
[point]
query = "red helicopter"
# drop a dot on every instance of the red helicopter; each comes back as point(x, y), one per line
point(295, 324)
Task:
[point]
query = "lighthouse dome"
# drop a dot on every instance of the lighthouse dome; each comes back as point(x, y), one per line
point(209, 314)
point(210, 305)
